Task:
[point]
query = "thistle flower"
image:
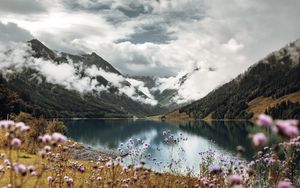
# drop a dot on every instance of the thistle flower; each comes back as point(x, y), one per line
point(6, 123)
point(285, 184)
point(22, 127)
point(259, 139)
point(21, 169)
point(81, 169)
point(31, 168)
point(264, 120)
point(99, 178)
point(49, 179)
point(235, 180)
point(15, 142)
point(287, 127)
point(57, 137)
point(215, 169)
point(46, 138)
point(47, 149)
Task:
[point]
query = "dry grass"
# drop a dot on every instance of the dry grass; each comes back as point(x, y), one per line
point(260, 104)
point(110, 175)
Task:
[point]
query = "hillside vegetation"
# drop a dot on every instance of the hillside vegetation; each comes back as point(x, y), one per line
point(264, 86)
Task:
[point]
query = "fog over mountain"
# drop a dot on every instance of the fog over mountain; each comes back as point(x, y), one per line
point(190, 47)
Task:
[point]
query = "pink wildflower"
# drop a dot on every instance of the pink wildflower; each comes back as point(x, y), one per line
point(6, 123)
point(57, 137)
point(285, 184)
point(46, 138)
point(264, 120)
point(235, 179)
point(287, 128)
point(259, 139)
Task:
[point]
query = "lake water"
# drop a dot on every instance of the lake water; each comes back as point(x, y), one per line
point(221, 137)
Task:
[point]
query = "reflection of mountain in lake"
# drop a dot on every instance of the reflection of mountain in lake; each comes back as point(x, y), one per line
point(110, 133)
point(227, 135)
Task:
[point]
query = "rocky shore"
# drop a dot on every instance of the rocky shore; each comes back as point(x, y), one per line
point(80, 152)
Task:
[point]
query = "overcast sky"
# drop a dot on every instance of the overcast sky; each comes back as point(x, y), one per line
point(159, 37)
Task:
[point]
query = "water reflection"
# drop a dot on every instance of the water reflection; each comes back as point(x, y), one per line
point(223, 137)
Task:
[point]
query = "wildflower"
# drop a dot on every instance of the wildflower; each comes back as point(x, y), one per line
point(57, 137)
point(259, 139)
point(81, 169)
point(235, 180)
point(47, 149)
point(46, 138)
point(6, 123)
point(108, 164)
point(264, 120)
point(31, 168)
point(286, 128)
point(215, 169)
point(50, 179)
point(69, 181)
point(22, 127)
point(99, 178)
point(15, 142)
point(21, 169)
point(34, 173)
point(285, 184)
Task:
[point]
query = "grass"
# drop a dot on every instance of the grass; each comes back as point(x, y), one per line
point(145, 176)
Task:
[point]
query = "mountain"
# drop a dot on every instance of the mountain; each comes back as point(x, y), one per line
point(270, 86)
point(166, 97)
point(41, 92)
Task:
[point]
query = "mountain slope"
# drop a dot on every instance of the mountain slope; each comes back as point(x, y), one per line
point(275, 76)
point(41, 94)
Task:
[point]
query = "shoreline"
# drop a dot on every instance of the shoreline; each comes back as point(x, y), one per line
point(87, 153)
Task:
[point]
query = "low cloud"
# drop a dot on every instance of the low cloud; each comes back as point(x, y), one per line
point(16, 57)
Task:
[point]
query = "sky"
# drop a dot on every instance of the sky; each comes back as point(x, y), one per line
point(163, 38)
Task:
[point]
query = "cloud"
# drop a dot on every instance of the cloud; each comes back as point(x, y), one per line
point(169, 38)
point(11, 32)
point(16, 57)
point(21, 7)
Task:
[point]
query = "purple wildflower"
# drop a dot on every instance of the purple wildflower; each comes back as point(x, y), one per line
point(215, 169)
point(15, 142)
point(21, 169)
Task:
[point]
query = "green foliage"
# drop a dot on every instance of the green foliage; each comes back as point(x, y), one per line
point(38, 126)
point(57, 126)
point(286, 109)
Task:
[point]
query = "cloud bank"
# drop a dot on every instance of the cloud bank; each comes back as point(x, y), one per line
point(164, 38)
point(17, 57)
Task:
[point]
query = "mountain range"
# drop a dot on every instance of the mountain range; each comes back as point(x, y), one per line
point(58, 84)
point(32, 91)
point(270, 86)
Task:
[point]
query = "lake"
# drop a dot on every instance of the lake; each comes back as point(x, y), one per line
point(218, 136)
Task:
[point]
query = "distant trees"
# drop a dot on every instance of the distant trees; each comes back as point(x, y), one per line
point(285, 109)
